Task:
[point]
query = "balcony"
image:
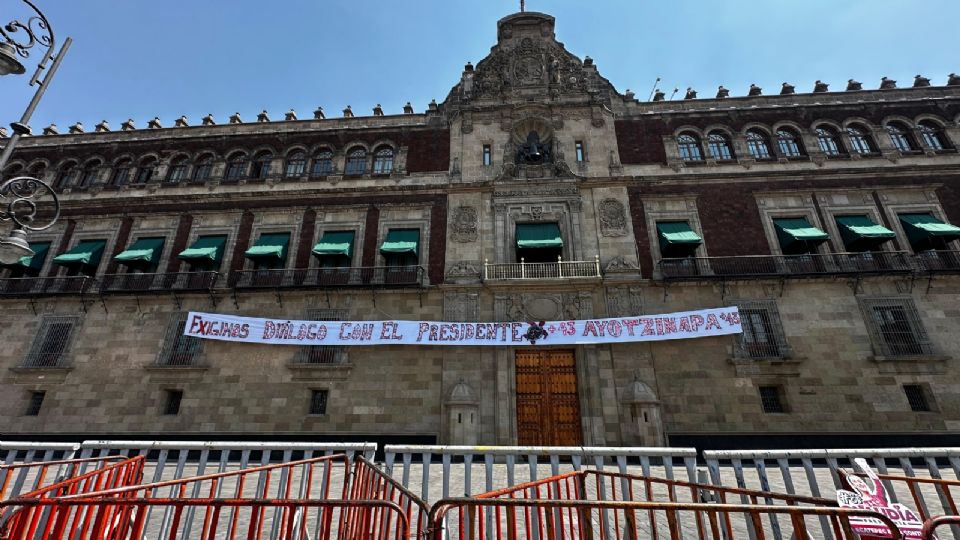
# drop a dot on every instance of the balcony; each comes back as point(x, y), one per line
point(46, 286)
point(162, 282)
point(367, 276)
point(551, 270)
point(811, 265)
point(939, 262)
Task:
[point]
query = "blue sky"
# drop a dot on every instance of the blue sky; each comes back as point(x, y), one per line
point(144, 58)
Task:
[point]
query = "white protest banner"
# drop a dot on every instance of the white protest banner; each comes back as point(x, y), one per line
point(869, 494)
point(688, 324)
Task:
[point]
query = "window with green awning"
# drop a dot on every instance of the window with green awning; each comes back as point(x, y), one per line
point(926, 232)
point(84, 257)
point(31, 264)
point(205, 252)
point(798, 236)
point(539, 236)
point(860, 233)
point(677, 239)
point(270, 249)
point(401, 241)
point(335, 243)
point(144, 254)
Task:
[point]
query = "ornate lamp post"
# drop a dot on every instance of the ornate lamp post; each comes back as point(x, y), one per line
point(19, 194)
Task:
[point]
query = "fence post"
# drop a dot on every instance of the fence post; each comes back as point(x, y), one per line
point(559, 265)
point(486, 271)
point(523, 268)
point(596, 259)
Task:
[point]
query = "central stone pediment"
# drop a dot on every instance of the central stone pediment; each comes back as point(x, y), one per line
point(529, 63)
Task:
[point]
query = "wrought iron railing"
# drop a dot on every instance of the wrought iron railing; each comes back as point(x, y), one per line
point(365, 276)
point(539, 270)
point(871, 262)
point(41, 286)
point(938, 261)
point(169, 281)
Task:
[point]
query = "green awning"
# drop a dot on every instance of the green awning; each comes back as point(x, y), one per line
point(35, 261)
point(206, 249)
point(269, 246)
point(145, 251)
point(538, 236)
point(86, 253)
point(921, 229)
point(860, 232)
point(401, 241)
point(677, 233)
point(793, 230)
point(336, 243)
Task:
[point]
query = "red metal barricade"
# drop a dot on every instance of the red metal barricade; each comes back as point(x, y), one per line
point(40, 474)
point(369, 482)
point(930, 526)
point(923, 489)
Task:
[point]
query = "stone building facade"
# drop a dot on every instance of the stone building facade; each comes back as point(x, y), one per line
point(825, 217)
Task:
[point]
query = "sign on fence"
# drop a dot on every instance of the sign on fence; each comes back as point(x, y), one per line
point(869, 494)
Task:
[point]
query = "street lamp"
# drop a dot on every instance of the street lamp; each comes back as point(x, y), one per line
point(16, 39)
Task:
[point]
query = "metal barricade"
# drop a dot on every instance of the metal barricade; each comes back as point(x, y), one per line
point(99, 518)
point(526, 519)
point(504, 466)
point(369, 482)
point(930, 526)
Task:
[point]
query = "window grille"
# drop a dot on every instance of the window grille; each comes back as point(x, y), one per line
point(178, 171)
point(121, 172)
point(771, 399)
point(932, 135)
point(689, 147)
point(236, 167)
point(828, 141)
point(261, 166)
point(89, 175)
point(51, 343)
point(67, 177)
point(296, 165)
point(322, 354)
point(719, 147)
point(917, 397)
point(203, 169)
point(318, 401)
point(898, 136)
point(323, 164)
point(356, 161)
point(171, 402)
point(762, 335)
point(383, 161)
point(145, 171)
point(895, 327)
point(179, 350)
point(859, 140)
point(35, 403)
point(757, 145)
point(788, 143)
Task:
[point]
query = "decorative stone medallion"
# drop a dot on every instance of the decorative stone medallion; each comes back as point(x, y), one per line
point(613, 218)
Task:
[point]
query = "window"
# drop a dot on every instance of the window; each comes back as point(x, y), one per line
point(788, 142)
point(236, 167)
point(932, 135)
point(539, 243)
point(757, 144)
point(89, 175)
point(860, 142)
point(178, 170)
point(895, 327)
point(171, 402)
point(179, 350)
point(261, 165)
point(581, 152)
point(269, 253)
point(318, 401)
point(401, 247)
point(51, 343)
point(145, 170)
point(35, 403)
point(68, 175)
point(771, 399)
point(829, 142)
point(296, 164)
point(719, 146)
point(487, 155)
point(917, 397)
point(121, 172)
point(356, 161)
point(899, 136)
point(689, 147)
point(383, 161)
point(762, 335)
point(322, 163)
point(201, 173)
point(322, 354)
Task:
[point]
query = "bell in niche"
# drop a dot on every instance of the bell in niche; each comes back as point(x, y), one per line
point(533, 152)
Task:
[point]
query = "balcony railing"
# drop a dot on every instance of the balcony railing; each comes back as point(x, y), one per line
point(939, 261)
point(170, 281)
point(550, 270)
point(877, 262)
point(367, 276)
point(46, 286)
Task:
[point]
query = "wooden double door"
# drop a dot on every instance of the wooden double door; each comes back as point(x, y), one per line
point(548, 405)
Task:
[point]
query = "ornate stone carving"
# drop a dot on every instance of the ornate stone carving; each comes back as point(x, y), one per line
point(613, 218)
point(463, 224)
point(577, 306)
point(464, 272)
point(620, 264)
point(461, 307)
point(624, 301)
point(531, 64)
